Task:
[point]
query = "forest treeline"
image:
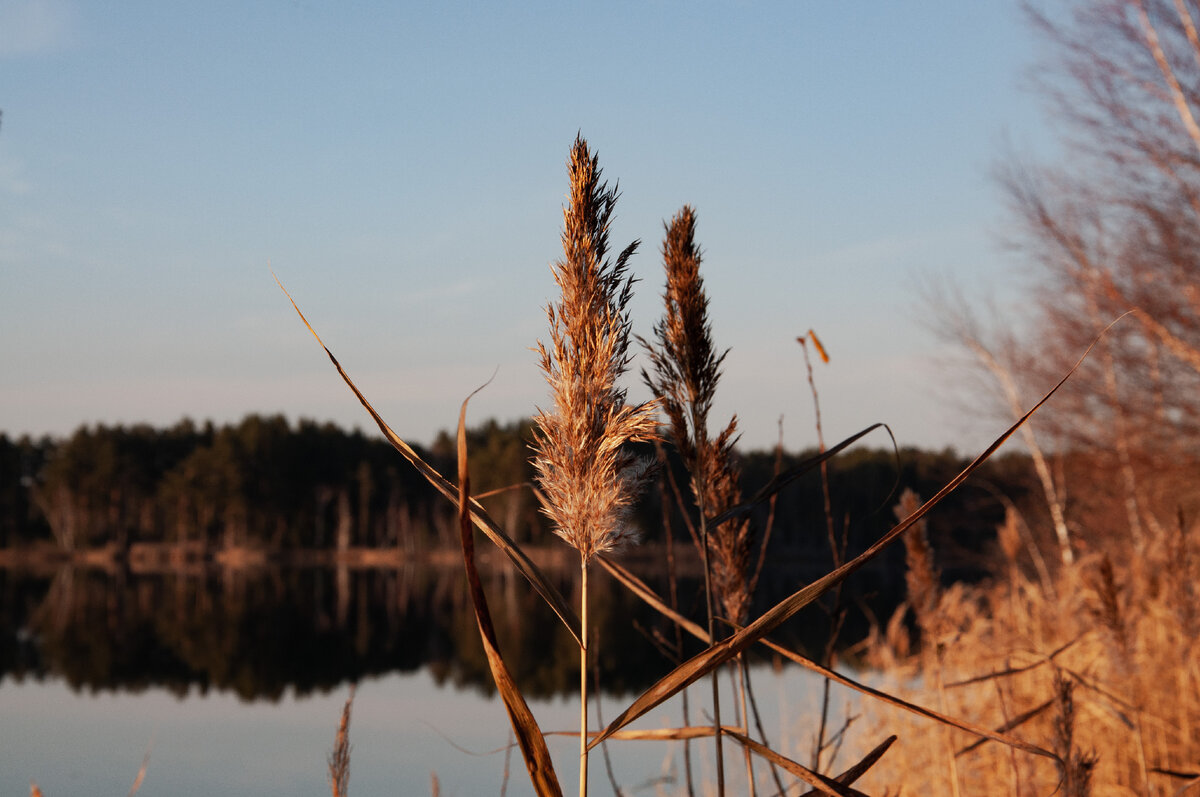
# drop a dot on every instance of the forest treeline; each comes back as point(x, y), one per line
point(268, 484)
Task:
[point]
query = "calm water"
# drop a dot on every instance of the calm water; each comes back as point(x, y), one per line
point(404, 729)
point(235, 683)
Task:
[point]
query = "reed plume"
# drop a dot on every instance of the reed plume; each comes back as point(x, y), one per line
point(586, 472)
point(1075, 766)
point(339, 759)
point(685, 370)
point(921, 574)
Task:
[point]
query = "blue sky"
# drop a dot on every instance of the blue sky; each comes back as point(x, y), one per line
point(401, 168)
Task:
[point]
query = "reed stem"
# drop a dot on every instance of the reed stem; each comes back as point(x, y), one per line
point(708, 604)
point(583, 671)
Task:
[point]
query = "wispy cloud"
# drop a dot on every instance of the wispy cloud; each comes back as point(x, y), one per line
point(35, 27)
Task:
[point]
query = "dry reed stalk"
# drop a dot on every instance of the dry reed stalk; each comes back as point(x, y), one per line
point(673, 597)
point(1076, 766)
point(923, 580)
point(1117, 643)
point(838, 552)
point(140, 778)
point(771, 505)
point(508, 747)
point(685, 370)
point(586, 473)
point(339, 759)
point(1108, 612)
point(837, 613)
point(921, 576)
point(529, 735)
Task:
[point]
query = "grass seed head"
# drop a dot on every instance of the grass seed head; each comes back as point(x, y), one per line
point(685, 370)
point(586, 472)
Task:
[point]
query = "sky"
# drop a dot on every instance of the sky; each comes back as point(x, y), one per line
point(401, 168)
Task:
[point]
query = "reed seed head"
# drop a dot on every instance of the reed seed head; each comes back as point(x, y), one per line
point(1075, 766)
point(586, 472)
point(339, 759)
point(1008, 534)
point(685, 370)
point(921, 577)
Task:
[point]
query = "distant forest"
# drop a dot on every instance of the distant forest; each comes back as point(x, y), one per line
point(270, 485)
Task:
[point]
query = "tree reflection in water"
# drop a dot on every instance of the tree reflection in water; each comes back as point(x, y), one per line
point(261, 631)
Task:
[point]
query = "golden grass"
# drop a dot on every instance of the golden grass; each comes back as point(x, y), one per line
point(584, 468)
point(339, 758)
point(1104, 670)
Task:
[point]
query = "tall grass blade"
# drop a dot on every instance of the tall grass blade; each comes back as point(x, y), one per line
point(529, 735)
point(824, 785)
point(790, 475)
point(1009, 671)
point(858, 770)
point(481, 519)
point(643, 591)
point(640, 589)
point(892, 700)
point(718, 654)
point(1015, 722)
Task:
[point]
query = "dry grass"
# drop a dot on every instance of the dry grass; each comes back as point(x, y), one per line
point(586, 473)
point(339, 758)
point(1104, 670)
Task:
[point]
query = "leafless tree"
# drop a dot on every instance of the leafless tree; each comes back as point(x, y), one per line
point(1114, 227)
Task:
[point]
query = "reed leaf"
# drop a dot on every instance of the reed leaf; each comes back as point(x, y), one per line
point(523, 563)
point(790, 475)
point(662, 734)
point(649, 734)
point(1009, 671)
point(824, 785)
point(858, 770)
point(640, 589)
point(528, 734)
point(1015, 722)
point(892, 700)
point(718, 654)
point(643, 591)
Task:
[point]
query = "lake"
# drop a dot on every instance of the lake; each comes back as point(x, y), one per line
point(234, 682)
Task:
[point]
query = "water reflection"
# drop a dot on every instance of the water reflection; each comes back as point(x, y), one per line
point(261, 631)
point(405, 729)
